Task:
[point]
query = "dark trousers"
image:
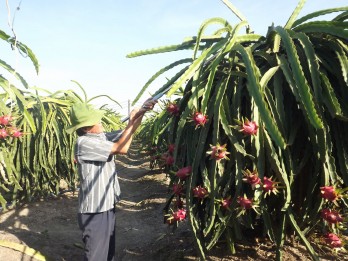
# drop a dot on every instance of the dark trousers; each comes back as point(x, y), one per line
point(98, 234)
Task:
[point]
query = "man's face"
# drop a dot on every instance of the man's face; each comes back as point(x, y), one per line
point(98, 128)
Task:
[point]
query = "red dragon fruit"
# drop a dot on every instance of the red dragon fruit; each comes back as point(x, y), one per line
point(183, 173)
point(179, 215)
point(200, 192)
point(5, 120)
point(168, 159)
point(226, 203)
point(270, 186)
point(331, 216)
point(328, 193)
point(173, 109)
point(333, 240)
point(249, 127)
point(199, 119)
point(3, 133)
point(178, 189)
point(14, 132)
point(218, 152)
point(252, 178)
point(171, 148)
point(245, 202)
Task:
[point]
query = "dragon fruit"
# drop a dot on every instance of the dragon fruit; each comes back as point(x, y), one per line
point(331, 216)
point(5, 120)
point(178, 189)
point(328, 193)
point(183, 173)
point(179, 215)
point(245, 202)
point(200, 192)
point(218, 152)
point(270, 186)
point(249, 127)
point(171, 148)
point(173, 109)
point(252, 178)
point(199, 119)
point(226, 203)
point(333, 240)
point(3, 133)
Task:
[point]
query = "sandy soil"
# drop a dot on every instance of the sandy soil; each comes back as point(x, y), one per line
point(50, 227)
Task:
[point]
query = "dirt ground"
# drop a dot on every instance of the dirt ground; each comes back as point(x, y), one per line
point(50, 227)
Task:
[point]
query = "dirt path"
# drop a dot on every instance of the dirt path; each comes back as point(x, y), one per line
point(50, 227)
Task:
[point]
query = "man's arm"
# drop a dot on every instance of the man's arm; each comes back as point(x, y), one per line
point(122, 145)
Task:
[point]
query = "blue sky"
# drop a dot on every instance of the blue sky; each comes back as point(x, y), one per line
point(88, 40)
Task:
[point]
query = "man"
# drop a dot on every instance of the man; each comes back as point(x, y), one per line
point(99, 187)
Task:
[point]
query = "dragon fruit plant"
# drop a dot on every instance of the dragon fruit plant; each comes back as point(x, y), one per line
point(36, 153)
point(287, 91)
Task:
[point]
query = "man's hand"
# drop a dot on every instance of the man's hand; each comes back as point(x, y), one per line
point(139, 112)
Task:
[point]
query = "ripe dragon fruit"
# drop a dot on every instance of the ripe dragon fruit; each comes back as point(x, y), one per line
point(178, 189)
point(328, 193)
point(199, 119)
point(270, 186)
point(226, 203)
point(173, 109)
point(331, 216)
point(249, 127)
point(179, 215)
point(3, 133)
point(183, 173)
point(333, 240)
point(252, 178)
point(245, 202)
point(14, 132)
point(218, 152)
point(200, 192)
point(168, 159)
point(5, 120)
point(171, 148)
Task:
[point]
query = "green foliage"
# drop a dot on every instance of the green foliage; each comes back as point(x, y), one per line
point(33, 164)
point(293, 84)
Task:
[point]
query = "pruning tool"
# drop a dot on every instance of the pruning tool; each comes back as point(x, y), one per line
point(154, 98)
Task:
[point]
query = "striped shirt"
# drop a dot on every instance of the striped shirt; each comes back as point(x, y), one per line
point(99, 187)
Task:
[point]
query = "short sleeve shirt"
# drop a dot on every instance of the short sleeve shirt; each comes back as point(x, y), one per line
point(99, 186)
